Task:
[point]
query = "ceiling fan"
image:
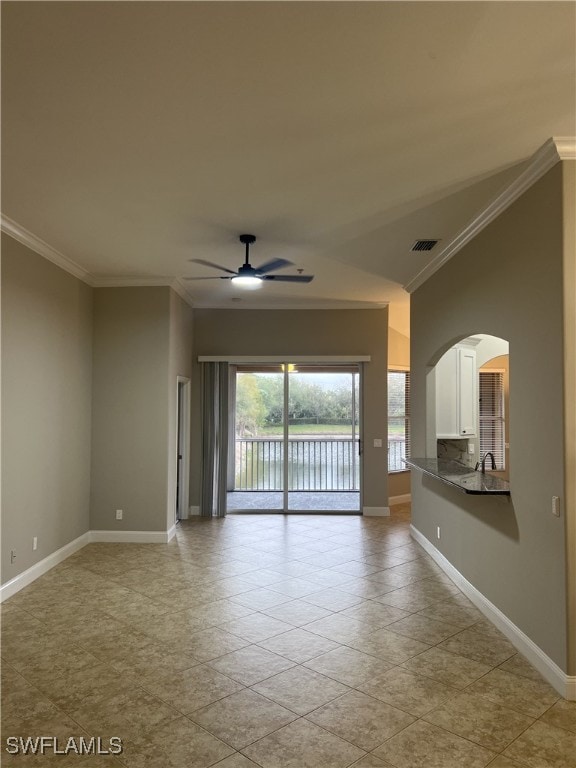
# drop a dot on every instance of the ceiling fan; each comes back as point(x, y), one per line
point(248, 276)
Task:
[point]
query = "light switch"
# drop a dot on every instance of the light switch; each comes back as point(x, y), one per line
point(377, 442)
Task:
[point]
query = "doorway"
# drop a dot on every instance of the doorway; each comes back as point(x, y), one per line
point(182, 447)
point(294, 438)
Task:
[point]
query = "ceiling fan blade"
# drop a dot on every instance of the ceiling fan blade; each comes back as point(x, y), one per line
point(211, 264)
point(217, 277)
point(270, 266)
point(290, 278)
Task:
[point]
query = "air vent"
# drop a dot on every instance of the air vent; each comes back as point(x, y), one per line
point(424, 245)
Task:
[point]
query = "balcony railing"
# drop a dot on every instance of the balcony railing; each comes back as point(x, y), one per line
point(314, 464)
point(396, 452)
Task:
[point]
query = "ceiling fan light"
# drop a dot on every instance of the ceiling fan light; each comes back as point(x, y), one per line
point(247, 281)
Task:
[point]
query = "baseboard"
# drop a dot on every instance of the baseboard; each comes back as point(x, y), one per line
point(550, 671)
point(405, 498)
point(376, 511)
point(43, 566)
point(193, 510)
point(133, 537)
point(39, 569)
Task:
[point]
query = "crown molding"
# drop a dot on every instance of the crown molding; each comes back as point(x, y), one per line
point(311, 359)
point(120, 281)
point(284, 305)
point(180, 288)
point(104, 281)
point(565, 147)
point(27, 238)
point(39, 246)
point(553, 151)
point(471, 341)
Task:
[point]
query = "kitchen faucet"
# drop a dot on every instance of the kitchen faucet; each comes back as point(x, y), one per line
point(482, 462)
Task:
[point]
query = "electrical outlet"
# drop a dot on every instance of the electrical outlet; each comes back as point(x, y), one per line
point(556, 506)
point(35, 543)
point(377, 442)
point(438, 532)
point(471, 449)
point(119, 514)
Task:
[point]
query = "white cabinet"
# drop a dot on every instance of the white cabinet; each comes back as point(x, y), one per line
point(457, 394)
point(447, 424)
point(468, 394)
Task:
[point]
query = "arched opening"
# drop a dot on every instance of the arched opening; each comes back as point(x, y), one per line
point(467, 394)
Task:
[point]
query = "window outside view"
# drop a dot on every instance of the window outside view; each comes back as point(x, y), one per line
point(322, 416)
point(398, 419)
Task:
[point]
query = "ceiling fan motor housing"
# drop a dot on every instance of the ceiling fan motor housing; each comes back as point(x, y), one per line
point(247, 271)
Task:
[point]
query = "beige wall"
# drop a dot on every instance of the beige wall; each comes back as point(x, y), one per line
point(130, 436)
point(569, 303)
point(398, 349)
point(507, 282)
point(46, 406)
point(398, 485)
point(305, 332)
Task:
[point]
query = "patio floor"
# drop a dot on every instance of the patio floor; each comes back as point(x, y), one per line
point(298, 501)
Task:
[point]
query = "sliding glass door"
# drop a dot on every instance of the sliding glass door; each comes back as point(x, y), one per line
point(323, 459)
point(294, 439)
point(256, 471)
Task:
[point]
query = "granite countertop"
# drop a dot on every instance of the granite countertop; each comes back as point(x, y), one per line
point(461, 477)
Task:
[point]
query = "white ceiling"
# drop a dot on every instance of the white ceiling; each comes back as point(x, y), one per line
point(140, 135)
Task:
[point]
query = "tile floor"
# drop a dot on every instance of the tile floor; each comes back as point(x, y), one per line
point(272, 641)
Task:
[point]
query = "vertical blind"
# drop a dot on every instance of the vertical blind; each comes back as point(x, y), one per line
point(491, 413)
point(215, 388)
point(398, 419)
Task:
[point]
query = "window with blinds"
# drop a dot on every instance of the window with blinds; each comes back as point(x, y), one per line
point(491, 415)
point(398, 419)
